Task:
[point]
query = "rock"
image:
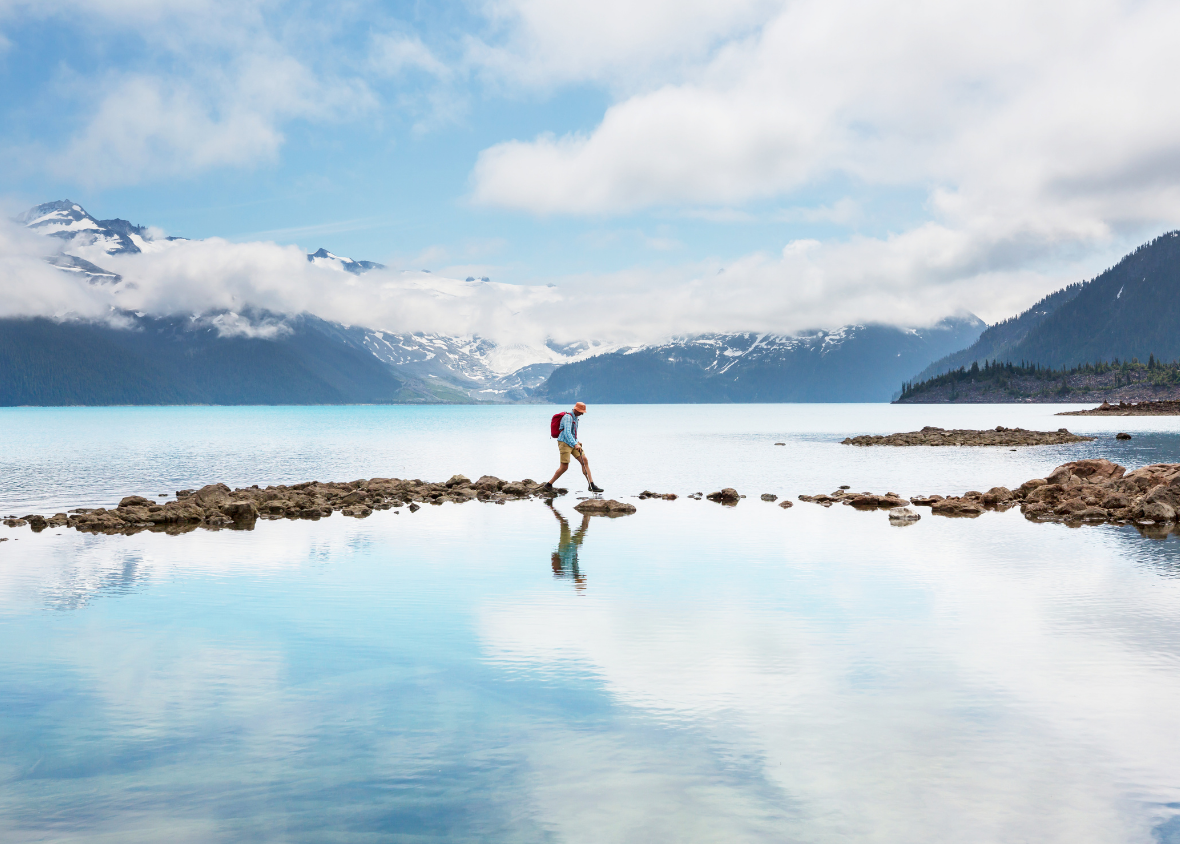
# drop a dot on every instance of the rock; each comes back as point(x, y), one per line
point(997, 495)
point(729, 496)
point(845, 486)
point(1156, 511)
point(414, 508)
point(769, 496)
point(868, 499)
point(957, 507)
point(135, 501)
point(924, 500)
point(1116, 501)
point(903, 514)
point(1070, 506)
point(240, 511)
point(607, 507)
point(786, 504)
point(458, 480)
point(780, 443)
point(15, 523)
point(666, 496)
point(1122, 435)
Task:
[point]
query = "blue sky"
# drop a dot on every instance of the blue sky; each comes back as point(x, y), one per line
point(842, 161)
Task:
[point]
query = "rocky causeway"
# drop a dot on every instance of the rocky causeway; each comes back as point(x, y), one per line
point(1001, 436)
point(1094, 491)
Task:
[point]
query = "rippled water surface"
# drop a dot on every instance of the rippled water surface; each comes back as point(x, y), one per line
point(522, 673)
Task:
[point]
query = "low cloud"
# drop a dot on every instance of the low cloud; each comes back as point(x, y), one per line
point(913, 279)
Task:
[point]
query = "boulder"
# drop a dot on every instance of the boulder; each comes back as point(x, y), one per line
point(903, 514)
point(1156, 511)
point(605, 507)
point(729, 496)
point(997, 495)
point(135, 501)
point(211, 495)
point(458, 480)
point(1122, 435)
point(786, 504)
point(769, 496)
point(240, 511)
point(957, 507)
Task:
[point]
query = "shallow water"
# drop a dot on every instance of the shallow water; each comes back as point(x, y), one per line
point(520, 673)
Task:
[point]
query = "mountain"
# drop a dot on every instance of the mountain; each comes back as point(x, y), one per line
point(998, 341)
point(854, 363)
point(324, 258)
point(188, 361)
point(311, 357)
point(70, 222)
point(1129, 311)
point(483, 369)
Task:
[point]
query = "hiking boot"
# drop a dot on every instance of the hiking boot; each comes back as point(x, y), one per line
point(595, 488)
point(547, 487)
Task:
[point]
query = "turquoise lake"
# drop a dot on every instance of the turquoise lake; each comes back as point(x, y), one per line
point(690, 673)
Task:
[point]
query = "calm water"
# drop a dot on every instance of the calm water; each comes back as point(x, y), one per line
point(520, 673)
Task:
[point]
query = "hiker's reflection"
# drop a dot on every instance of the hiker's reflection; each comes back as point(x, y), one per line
point(565, 558)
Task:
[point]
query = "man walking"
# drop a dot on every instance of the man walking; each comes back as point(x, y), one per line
point(568, 446)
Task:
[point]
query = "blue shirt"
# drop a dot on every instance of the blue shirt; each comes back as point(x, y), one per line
point(569, 430)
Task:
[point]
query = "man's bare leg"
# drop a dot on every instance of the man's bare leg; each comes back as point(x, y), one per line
point(585, 461)
point(561, 467)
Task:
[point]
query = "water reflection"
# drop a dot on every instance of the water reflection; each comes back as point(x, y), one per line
point(565, 559)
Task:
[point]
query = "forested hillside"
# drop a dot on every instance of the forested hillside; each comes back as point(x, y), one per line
point(161, 361)
point(1131, 310)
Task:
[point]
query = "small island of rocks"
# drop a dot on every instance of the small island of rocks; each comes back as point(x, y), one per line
point(1143, 408)
point(965, 437)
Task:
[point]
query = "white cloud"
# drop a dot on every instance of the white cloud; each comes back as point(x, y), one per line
point(544, 43)
point(912, 279)
point(392, 54)
point(204, 84)
point(1032, 129)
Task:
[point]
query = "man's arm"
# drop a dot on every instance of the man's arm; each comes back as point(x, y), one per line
point(567, 430)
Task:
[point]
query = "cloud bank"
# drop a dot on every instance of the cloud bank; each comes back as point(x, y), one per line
point(914, 279)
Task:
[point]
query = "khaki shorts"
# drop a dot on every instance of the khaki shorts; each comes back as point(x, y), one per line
point(566, 450)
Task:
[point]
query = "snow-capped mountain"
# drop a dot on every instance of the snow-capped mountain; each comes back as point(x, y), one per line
point(323, 258)
point(852, 363)
point(483, 369)
point(446, 367)
point(91, 272)
point(70, 222)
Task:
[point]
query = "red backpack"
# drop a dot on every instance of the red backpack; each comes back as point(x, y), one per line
point(555, 424)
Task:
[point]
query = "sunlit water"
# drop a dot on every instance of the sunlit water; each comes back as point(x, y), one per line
point(519, 673)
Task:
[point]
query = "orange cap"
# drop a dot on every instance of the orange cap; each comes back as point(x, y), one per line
point(580, 407)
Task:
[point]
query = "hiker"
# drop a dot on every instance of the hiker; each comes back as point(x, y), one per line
point(568, 445)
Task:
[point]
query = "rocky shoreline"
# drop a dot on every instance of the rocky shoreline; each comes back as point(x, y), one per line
point(1143, 408)
point(999, 436)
